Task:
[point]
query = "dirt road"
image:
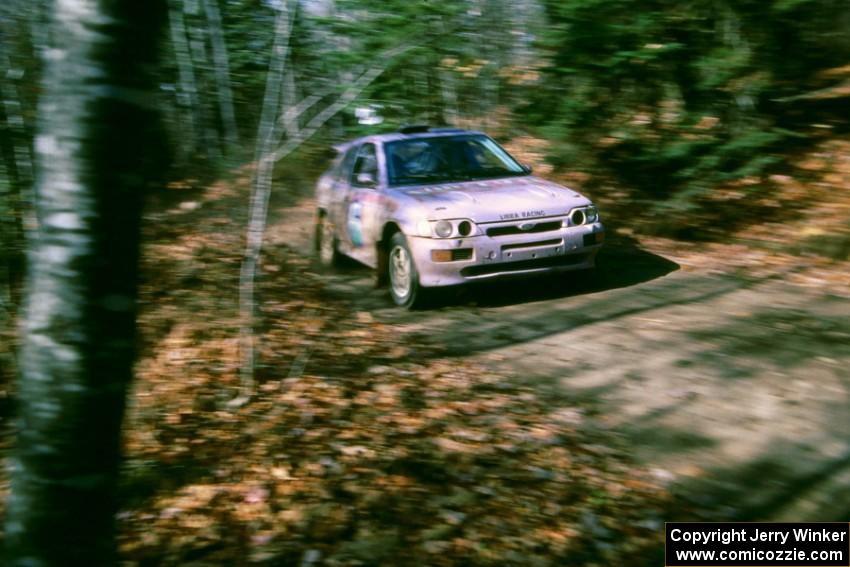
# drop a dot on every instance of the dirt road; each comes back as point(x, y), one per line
point(732, 383)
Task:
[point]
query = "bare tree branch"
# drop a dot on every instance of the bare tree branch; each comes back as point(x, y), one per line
point(269, 134)
point(350, 94)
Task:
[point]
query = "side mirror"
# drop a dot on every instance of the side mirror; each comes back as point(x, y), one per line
point(366, 180)
point(527, 168)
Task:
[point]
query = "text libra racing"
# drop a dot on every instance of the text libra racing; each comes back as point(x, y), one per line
point(727, 536)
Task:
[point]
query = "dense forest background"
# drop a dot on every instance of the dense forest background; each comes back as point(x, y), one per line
point(671, 98)
point(693, 120)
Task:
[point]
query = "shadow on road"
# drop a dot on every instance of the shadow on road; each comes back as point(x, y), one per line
point(790, 482)
point(621, 263)
point(732, 387)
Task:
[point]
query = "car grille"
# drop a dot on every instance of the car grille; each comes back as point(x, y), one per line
point(461, 254)
point(515, 229)
point(506, 267)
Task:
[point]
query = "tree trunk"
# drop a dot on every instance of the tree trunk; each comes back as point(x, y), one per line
point(13, 111)
point(266, 141)
point(222, 75)
point(187, 92)
point(78, 317)
point(10, 252)
point(289, 102)
point(449, 94)
point(15, 184)
point(269, 134)
point(198, 48)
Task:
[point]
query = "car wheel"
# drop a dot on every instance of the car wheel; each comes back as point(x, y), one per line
point(325, 243)
point(402, 275)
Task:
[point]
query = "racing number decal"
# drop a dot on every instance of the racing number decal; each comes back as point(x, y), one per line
point(355, 223)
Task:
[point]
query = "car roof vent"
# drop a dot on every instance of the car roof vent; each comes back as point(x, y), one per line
point(414, 129)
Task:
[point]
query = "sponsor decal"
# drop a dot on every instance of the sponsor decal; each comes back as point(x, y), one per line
point(355, 223)
point(522, 215)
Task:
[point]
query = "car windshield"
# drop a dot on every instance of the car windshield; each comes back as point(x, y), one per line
point(444, 159)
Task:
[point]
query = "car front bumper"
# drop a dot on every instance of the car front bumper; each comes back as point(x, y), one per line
point(565, 249)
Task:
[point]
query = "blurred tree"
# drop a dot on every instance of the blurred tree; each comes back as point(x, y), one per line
point(456, 63)
point(94, 159)
point(281, 115)
point(267, 140)
point(445, 75)
point(198, 32)
point(678, 97)
point(202, 112)
point(222, 75)
point(188, 117)
point(18, 70)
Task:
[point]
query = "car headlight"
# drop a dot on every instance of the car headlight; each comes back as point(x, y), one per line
point(592, 214)
point(443, 228)
point(464, 228)
point(577, 217)
point(460, 228)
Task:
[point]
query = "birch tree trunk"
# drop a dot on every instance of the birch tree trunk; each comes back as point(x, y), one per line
point(187, 93)
point(222, 75)
point(79, 311)
point(289, 101)
point(197, 34)
point(270, 151)
point(266, 141)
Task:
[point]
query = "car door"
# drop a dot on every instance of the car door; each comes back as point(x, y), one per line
point(340, 189)
point(362, 204)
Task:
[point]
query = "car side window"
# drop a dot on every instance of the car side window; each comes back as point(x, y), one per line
point(366, 163)
point(344, 170)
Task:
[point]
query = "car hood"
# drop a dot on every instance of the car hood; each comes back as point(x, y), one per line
point(496, 200)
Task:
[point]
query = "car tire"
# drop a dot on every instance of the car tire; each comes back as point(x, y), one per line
point(325, 248)
point(402, 275)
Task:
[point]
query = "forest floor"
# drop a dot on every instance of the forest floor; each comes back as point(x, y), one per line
point(366, 444)
point(722, 367)
point(513, 424)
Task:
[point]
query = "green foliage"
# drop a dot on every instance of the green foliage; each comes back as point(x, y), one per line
point(674, 97)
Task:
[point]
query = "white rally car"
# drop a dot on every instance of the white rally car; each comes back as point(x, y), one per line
point(429, 207)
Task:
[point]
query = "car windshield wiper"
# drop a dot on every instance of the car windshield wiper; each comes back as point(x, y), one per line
point(498, 172)
point(487, 174)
